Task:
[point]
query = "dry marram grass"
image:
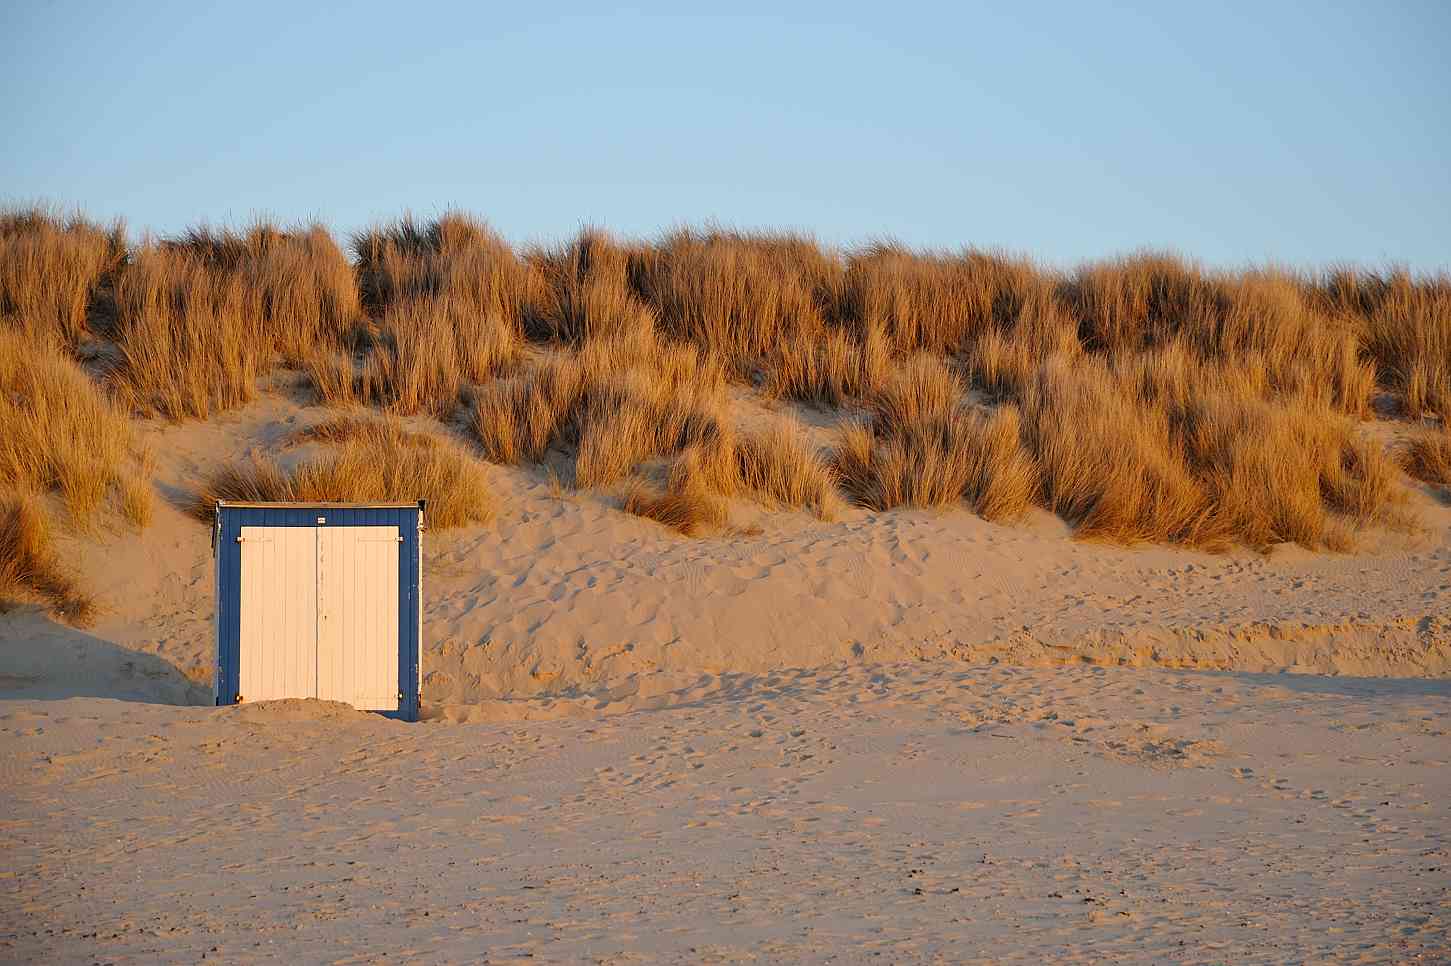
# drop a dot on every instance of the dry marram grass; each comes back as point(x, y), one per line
point(1148, 452)
point(618, 401)
point(736, 296)
point(449, 298)
point(689, 509)
point(968, 457)
point(780, 465)
point(60, 434)
point(1142, 398)
point(370, 460)
point(52, 266)
point(583, 291)
point(1428, 454)
point(201, 317)
point(30, 568)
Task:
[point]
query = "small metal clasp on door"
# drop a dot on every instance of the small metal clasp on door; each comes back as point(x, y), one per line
point(321, 520)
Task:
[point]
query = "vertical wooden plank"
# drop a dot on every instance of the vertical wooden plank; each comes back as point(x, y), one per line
point(382, 586)
point(264, 605)
point(282, 604)
point(274, 605)
point(359, 614)
point(307, 601)
point(360, 596)
point(328, 617)
point(278, 613)
point(347, 604)
point(247, 612)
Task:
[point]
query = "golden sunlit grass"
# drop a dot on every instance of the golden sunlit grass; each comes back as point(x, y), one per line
point(371, 460)
point(60, 434)
point(333, 376)
point(1109, 466)
point(304, 288)
point(776, 465)
point(736, 296)
point(831, 370)
point(202, 316)
point(964, 457)
point(922, 447)
point(633, 416)
point(1141, 398)
point(1262, 319)
point(516, 419)
point(934, 301)
point(362, 426)
point(426, 352)
point(779, 465)
point(1409, 333)
point(617, 401)
point(52, 265)
point(1146, 457)
point(189, 336)
point(686, 507)
point(30, 569)
point(455, 256)
point(582, 291)
point(448, 297)
point(1428, 456)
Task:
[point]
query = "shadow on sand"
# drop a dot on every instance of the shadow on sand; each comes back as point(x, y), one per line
point(1345, 684)
point(41, 659)
point(746, 688)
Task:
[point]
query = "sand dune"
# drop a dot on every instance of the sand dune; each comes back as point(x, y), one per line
point(566, 599)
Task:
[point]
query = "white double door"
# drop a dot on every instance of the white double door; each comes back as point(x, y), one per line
point(319, 615)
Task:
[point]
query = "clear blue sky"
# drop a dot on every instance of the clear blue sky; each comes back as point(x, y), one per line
point(1298, 132)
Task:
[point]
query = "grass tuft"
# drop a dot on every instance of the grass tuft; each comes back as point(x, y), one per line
point(618, 401)
point(449, 299)
point(30, 569)
point(832, 370)
point(372, 460)
point(1428, 456)
point(60, 434)
point(52, 268)
point(970, 457)
point(583, 292)
point(737, 296)
point(303, 288)
point(202, 316)
point(778, 463)
point(689, 508)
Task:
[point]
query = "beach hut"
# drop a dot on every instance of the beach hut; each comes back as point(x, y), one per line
point(319, 600)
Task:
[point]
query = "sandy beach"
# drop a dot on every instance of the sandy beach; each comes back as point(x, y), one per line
point(918, 812)
point(733, 595)
point(906, 737)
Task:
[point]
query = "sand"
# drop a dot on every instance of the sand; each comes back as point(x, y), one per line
point(898, 737)
point(923, 811)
